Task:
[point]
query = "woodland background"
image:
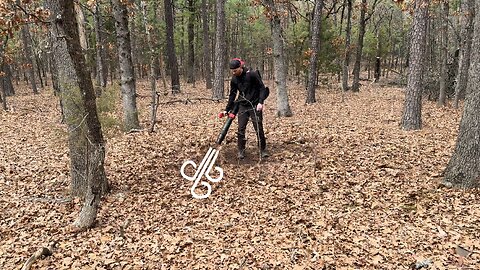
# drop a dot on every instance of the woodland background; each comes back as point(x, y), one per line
point(371, 123)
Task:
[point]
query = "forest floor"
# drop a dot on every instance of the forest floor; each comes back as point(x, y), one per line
point(344, 188)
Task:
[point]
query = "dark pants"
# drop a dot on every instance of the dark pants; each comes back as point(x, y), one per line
point(244, 113)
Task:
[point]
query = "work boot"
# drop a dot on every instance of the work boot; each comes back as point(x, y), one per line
point(241, 154)
point(264, 154)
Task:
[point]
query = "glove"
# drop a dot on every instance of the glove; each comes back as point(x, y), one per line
point(222, 114)
point(259, 107)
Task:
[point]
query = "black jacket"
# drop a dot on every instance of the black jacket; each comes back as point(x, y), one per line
point(250, 87)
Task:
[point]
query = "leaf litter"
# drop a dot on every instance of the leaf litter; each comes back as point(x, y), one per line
point(344, 188)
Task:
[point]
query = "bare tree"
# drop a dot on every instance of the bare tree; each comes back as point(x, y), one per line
point(412, 108)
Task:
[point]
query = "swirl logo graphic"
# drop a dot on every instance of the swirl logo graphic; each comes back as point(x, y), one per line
point(204, 168)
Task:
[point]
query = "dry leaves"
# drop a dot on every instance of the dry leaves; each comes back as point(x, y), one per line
point(345, 188)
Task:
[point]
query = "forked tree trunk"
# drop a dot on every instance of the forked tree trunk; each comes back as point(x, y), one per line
point(315, 47)
point(463, 169)
point(220, 52)
point(95, 174)
point(466, 24)
point(412, 109)
point(127, 76)
point(74, 111)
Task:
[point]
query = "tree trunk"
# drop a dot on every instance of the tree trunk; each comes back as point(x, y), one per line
point(358, 58)
point(100, 47)
point(191, 45)
point(27, 48)
point(346, 58)
point(412, 110)
point(206, 46)
point(153, 56)
point(466, 23)
point(220, 52)
point(377, 69)
point(127, 76)
point(38, 65)
point(463, 169)
point(95, 157)
point(4, 99)
point(280, 70)
point(315, 47)
point(443, 55)
point(7, 80)
point(3, 83)
point(171, 55)
point(76, 118)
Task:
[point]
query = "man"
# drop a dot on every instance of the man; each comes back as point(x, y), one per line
point(252, 94)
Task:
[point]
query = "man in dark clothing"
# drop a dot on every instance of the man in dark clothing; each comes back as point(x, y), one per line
point(251, 95)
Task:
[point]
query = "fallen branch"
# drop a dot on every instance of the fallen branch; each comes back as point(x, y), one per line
point(43, 251)
point(186, 101)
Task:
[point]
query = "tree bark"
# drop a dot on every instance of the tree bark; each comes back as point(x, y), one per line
point(171, 55)
point(73, 105)
point(358, 58)
point(95, 157)
point(206, 46)
point(346, 58)
point(412, 109)
point(27, 48)
point(463, 169)
point(466, 23)
point(191, 44)
point(7, 80)
point(280, 70)
point(220, 52)
point(442, 97)
point(153, 56)
point(315, 47)
point(127, 76)
point(100, 47)
point(3, 96)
